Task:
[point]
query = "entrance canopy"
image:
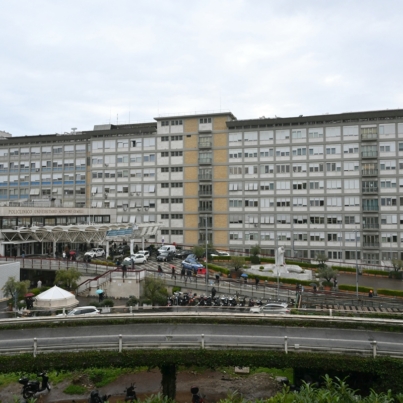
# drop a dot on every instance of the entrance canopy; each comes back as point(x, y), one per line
point(74, 233)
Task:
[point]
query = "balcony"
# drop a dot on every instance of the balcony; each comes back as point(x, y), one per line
point(205, 144)
point(205, 177)
point(205, 192)
point(370, 244)
point(369, 172)
point(369, 136)
point(370, 189)
point(369, 154)
point(203, 225)
point(370, 226)
point(205, 161)
point(205, 209)
point(370, 208)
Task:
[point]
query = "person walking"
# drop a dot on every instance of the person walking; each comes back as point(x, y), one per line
point(39, 283)
point(132, 261)
point(213, 292)
point(183, 272)
point(256, 282)
point(173, 272)
point(160, 270)
point(370, 294)
point(217, 278)
point(189, 275)
point(124, 271)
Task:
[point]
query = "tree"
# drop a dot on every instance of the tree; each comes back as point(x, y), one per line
point(327, 273)
point(237, 262)
point(67, 278)
point(15, 289)
point(198, 251)
point(322, 258)
point(255, 252)
point(397, 264)
point(155, 290)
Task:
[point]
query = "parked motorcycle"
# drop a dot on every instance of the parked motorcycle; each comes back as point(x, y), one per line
point(131, 394)
point(34, 388)
point(232, 301)
point(224, 300)
point(95, 397)
point(196, 397)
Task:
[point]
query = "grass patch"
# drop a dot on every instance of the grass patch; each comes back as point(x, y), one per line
point(103, 376)
point(287, 372)
point(75, 390)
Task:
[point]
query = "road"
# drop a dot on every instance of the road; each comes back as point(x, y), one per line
point(214, 336)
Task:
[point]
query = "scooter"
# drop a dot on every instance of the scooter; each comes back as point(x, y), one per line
point(196, 397)
point(131, 394)
point(95, 397)
point(33, 388)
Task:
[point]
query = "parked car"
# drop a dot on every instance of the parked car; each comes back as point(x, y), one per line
point(167, 248)
point(191, 264)
point(219, 253)
point(137, 258)
point(165, 257)
point(83, 311)
point(279, 308)
point(182, 253)
point(123, 249)
point(144, 252)
point(95, 252)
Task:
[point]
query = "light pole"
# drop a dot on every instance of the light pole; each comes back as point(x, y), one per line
point(206, 254)
point(356, 264)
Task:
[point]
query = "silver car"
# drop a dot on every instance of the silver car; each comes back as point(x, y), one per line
point(279, 308)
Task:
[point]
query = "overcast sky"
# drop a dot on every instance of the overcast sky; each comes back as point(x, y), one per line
point(76, 63)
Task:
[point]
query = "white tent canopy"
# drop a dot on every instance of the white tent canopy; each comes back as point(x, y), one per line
point(55, 298)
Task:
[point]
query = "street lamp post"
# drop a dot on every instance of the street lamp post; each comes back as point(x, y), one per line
point(356, 265)
point(206, 254)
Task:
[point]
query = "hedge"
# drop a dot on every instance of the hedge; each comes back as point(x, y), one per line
point(387, 371)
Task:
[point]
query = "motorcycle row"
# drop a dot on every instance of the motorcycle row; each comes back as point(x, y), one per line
point(185, 299)
point(36, 388)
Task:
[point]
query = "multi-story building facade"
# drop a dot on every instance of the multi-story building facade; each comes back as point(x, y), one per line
point(315, 184)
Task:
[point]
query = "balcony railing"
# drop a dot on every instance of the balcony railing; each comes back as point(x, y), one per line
point(205, 192)
point(369, 154)
point(205, 209)
point(370, 208)
point(203, 225)
point(369, 172)
point(370, 226)
point(205, 177)
point(370, 189)
point(369, 136)
point(370, 244)
point(205, 144)
point(206, 160)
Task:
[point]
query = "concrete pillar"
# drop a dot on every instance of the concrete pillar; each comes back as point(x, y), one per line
point(2, 249)
point(107, 249)
point(131, 247)
point(54, 249)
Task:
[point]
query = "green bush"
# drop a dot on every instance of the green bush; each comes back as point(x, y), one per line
point(75, 390)
point(132, 301)
point(176, 289)
point(255, 259)
point(392, 293)
point(346, 287)
point(395, 274)
point(108, 302)
point(376, 272)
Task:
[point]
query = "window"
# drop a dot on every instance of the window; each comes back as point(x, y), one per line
point(235, 219)
point(388, 183)
point(299, 201)
point(317, 219)
point(251, 186)
point(250, 153)
point(164, 216)
point(266, 135)
point(300, 236)
point(178, 122)
point(177, 232)
point(316, 185)
point(164, 169)
point(315, 133)
point(265, 169)
point(235, 137)
point(137, 143)
point(316, 167)
point(316, 202)
point(283, 202)
point(204, 120)
point(333, 202)
point(266, 219)
point(300, 219)
point(350, 131)
point(123, 143)
point(234, 235)
point(298, 168)
point(350, 201)
point(164, 201)
point(282, 134)
point(165, 154)
point(165, 138)
point(297, 151)
point(176, 153)
point(250, 136)
point(176, 184)
point(165, 232)
point(176, 201)
point(283, 185)
point(387, 147)
point(351, 184)
point(387, 165)
point(298, 134)
point(316, 150)
point(351, 219)
point(388, 219)
point(333, 184)
point(149, 157)
point(282, 151)
point(351, 166)
point(266, 185)
point(350, 148)
point(283, 219)
point(282, 169)
point(388, 201)
point(164, 185)
point(176, 169)
point(164, 122)
point(236, 170)
point(333, 166)
point(332, 150)
point(333, 132)
point(252, 203)
point(235, 153)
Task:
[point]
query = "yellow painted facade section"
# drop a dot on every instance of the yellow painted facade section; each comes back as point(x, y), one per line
point(220, 140)
point(191, 189)
point(220, 156)
point(190, 173)
point(220, 205)
point(219, 123)
point(220, 188)
point(191, 157)
point(191, 238)
point(191, 125)
point(220, 221)
point(190, 142)
point(220, 172)
point(220, 238)
point(191, 205)
point(191, 221)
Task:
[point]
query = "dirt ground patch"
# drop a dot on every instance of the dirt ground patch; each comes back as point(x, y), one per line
point(214, 385)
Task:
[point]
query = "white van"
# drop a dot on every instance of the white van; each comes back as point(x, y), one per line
point(166, 249)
